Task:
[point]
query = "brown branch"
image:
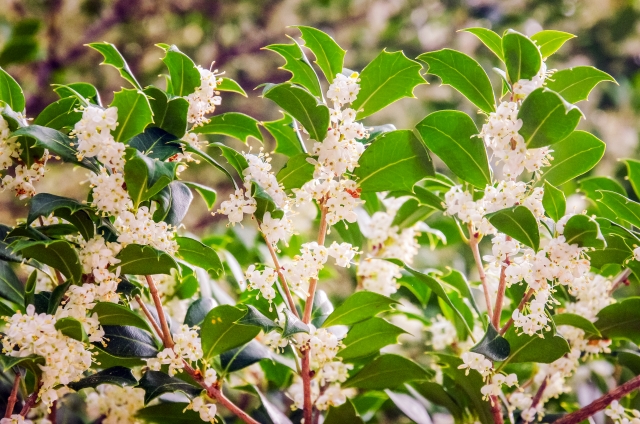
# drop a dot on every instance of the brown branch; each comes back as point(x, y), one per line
point(13, 397)
point(538, 396)
point(52, 414)
point(283, 282)
point(600, 403)
point(166, 333)
point(31, 401)
point(496, 410)
point(502, 287)
point(622, 278)
point(474, 239)
point(523, 302)
point(147, 313)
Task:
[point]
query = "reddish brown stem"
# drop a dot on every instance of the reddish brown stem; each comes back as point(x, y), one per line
point(538, 396)
point(13, 397)
point(523, 302)
point(502, 287)
point(474, 240)
point(167, 339)
point(52, 414)
point(31, 401)
point(600, 403)
point(496, 410)
point(150, 318)
point(283, 281)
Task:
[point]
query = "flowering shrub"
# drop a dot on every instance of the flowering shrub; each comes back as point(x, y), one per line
point(125, 313)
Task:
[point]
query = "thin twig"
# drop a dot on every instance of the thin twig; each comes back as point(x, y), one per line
point(474, 239)
point(496, 410)
point(502, 287)
point(283, 281)
point(147, 313)
point(538, 396)
point(600, 403)
point(167, 339)
point(13, 397)
point(523, 302)
point(621, 278)
point(31, 401)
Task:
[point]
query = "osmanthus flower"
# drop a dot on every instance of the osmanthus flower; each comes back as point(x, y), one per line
point(115, 404)
point(206, 409)
point(15, 419)
point(477, 362)
point(205, 98)
point(494, 387)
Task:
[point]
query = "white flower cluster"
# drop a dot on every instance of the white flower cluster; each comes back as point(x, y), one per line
point(139, 227)
point(304, 267)
point(93, 132)
point(187, 347)
point(477, 362)
point(620, 415)
point(322, 344)
point(524, 87)
point(240, 202)
point(206, 409)
point(500, 133)
point(15, 419)
point(263, 281)
point(339, 197)
point(115, 404)
point(66, 359)
point(443, 332)
point(205, 98)
point(494, 388)
point(332, 394)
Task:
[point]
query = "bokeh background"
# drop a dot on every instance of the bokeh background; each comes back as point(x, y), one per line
point(42, 43)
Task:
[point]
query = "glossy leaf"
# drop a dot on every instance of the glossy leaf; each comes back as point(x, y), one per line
point(156, 383)
point(577, 321)
point(256, 318)
point(119, 376)
point(345, 413)
point(10, 92)
point(235, 158)
point(388, 78)
point(128, 342)
point(110, 313)
point(298, 65)
point(208, 194)
point(575, 84)
point(60, 114)
point(549, 41)
point(84, 92)
point(525, 348)
point(198, 254)
point(573, 156)
point(386, 372)
point(546, 118)
point(198, 310)
point(452, 136)
point(145, 177)
point(221, 333)
point(244, 356)
point(492, 345)
point(185, 77)
point(621, 320)
point(168, 413)
point(296, 172)
point(71, 327)
point(232, 124)
point(395, 160)
point(170, 114)
point(293, 325)
point(329, 55)
point(521, 56)
point(137, 259)
point(358, 307)
point(284, 132)
point(369, 336)
point(633, 174)
point(229, 85)
point(519, 223)
point(554, 202)
point(172, 203)
point(134, 113)
point(114, 58)
point(462, 73)
point(410, 213)
point(156, 143)
point(58, 254)
point(303, 106)
point(583, 231)
point(10, 286)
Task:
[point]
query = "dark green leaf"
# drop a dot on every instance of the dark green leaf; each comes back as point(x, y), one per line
point(358, 307)
point(134, 113)
point(119, 376)
point(329, 55)
point(583, 231)
point(113, 57)
point(626, 210)
point(573, 156)
point(221, 333)
point(386, 372)
point(298, 65)
point(256, 318)
point(389, 77)
point(296, 172)
point(10, 92)
point(633, 174)
point(452, 136)
point(410, 213)
point(554, 202)
point(198, 254)
point(521, 56)
point(128, 342)
point(303, 106)
point(616, 252)
point(208, 194)
point(10, 286)
point(198, 310)
point(322, 308)
point(30, 362)
point(168, 114)
point(137, 259)
point(462, 73)
point(44, 204)
point(185, 77)
point(156, 383)
point(113, 314)
point(343, 414)
point(489, 38)
point(71, 327)
point(550, 41)
point(172, 203)
point(395, 160)
point(293, 324)
point(30, 288)
point(243, 356)
point(525, 348)
point(519, 223)
point(156, 143)
point(575, 84)
point(58, 254)
point(629, 359)
point(427, 198)
point(621, 320)
point(546, 118)
point(60, 114)
point(168, 413)
point(232, 124)
point(369, 336)
point(492, 345)
point(235, 158)
point(283, 131)
point(577, 321)
point(145, 177)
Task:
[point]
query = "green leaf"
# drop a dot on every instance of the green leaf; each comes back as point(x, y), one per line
point(621, 320)
point(296, 172)
point(521, 56)
point(389, 77)
point(298, 65)
point(452, 136)
point(119, 376)
point(256, 318)
point(30, 288)
point(395, 160)
point(573, 156)
point(221, 333)
point(322, 308)
point(633, 174)
point(168, 413)
point(10, 286)
point(492, 345)
point(358, 307)
point(235, 158)
point(207, 193)
point(44, 204)
point(386, 372)
point(519, 223)
point(546, 118)
point(156, 143)
point(10, 92)
point(550, 41)
point(114, 58)
point(367, 337)
point(156, 383)
point(490, 39)
point(227, 84)
point(575, 84)
point(71, 327)
point(60, 114)
point(343, 414)
point(264, 203)
point(303, 106)
point(329, 55)
point(436, 394)
point(525, 348)
point(583, 231)
point(198, 310)
point(137, 259)
point(284, 132)
point(168, 114)
point(172, 203)
point(134, 113)
point(30, 362)
point(233, 124)
point(244, 356)
point(554, 202)
point(629, 359)
point(616, 252)
point(57, 143)
point(577, 321)
point(83, 91)
point(625, 209)
point(198, 254)
point(55, 297)
point(462, 73)
point(110, 313)
point(58, 254)
point(410, 213)
point(185, 77)
point(428, 198)
point(293, 325)
point(128, 342)
point(144, 176)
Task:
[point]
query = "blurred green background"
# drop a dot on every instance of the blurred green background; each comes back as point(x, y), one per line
point(42, 43)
